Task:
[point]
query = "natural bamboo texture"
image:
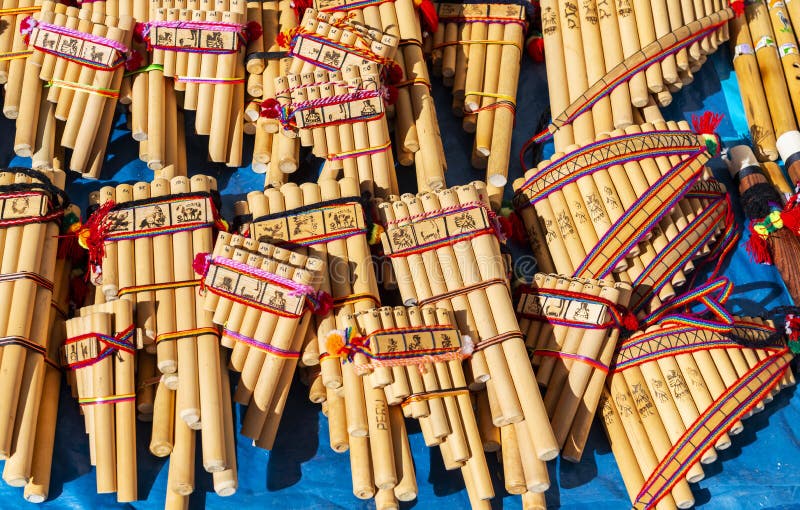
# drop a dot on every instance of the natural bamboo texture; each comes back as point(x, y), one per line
point(658, 428)
point(475, 277)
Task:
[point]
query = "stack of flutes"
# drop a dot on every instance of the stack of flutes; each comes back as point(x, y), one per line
point(675, 395)
point(201, 46)
point(33, 204)
point(334, 93)
point(145, 238)
point(265, 61)
point(260, 295)
point(417, 137)
point(80, 55)
point(328, 220)
point(483, 76)
point(444, 251)
point(99, 349)
point(13, 50)
point(766, 61)
point(412, 357)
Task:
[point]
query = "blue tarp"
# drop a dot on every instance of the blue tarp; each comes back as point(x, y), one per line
point(760, 470)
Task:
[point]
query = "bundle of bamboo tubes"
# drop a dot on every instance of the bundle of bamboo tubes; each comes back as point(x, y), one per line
point(443, 249)
point(145, 237)
point(80, 55)
point(677, 394)
point(412, 357)
point(417, 137)
point(483, 77)
point(33, 205)
point(201, 45)
point(259, 294)
point(99, 349)
point(13, 50)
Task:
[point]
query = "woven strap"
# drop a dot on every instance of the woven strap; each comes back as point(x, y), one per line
point(428, 395)
point(187, 333)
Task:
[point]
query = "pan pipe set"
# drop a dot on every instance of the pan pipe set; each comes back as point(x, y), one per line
point(676, 394)
point(444, 251)
point(13, 50)
point(100, 351)
point(265, 61)
point(417, 136)
point(483, 75)
point(203, 51)
point(411, 357)
point(333, 98)
point(70, 84)
point(259, 294)
point(765, 58)
point(143, 238)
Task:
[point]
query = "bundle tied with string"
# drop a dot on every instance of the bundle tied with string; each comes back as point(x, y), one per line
point(260, 294)
point(477, 50)
point(419, 350)
point(203, 51)
point(774, 227)
point(34, 208)
point(142, 241)
point(75, 105)
point(100, 350)
point(679, 388)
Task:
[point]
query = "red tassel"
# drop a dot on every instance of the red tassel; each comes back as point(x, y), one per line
point(393, 73)
point(629, 321)
point(252, 31)
point(284, 39)
point(792, 326)
point(707, 123)
point(791, 219)
point(93, 234)
point(300, 7)
point(391, 95)
point(201, 263)
point(134, 61)
point(139, 32)
point(518, 231)
point(757, 248)
point(427, 15)
point(535, 47)
point(738, 7)
point(270, 108)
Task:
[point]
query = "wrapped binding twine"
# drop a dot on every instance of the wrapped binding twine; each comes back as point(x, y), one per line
point(677, 391)
point(81, 56)
point(477, 50)
point(260, 297)
point(142, 241)
point(412, 357)
point(100, 350)
point(444, 251)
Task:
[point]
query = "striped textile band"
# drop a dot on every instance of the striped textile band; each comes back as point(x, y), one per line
point(572, 356)
point(428, 395)
point(359, 152)
point(80, 87)
point(462, 291)
point(261, 346)
point(653, 53)
point(195, 27)
point(30, 29)
point(352, 299)
point(729, 408)
point(111, 399)
point(154, 287)
point(619, 316)
point(488, 342)
point(349, 6)
point(122, 341)
point(38, 279)
point(363, 53)
point(14, 55)
point(447, 241)
point(20, 10)
point(23, 342)
point(187, 333)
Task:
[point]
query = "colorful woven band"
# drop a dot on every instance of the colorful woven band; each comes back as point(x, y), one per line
point(155, 287)
point(196, 29)
point(653, 53)
point(344, 6)
point(187, 333)
point(107, 345)
point(618, 317)
point(339, 302)
point(292, 229)
point(110, 399)
point(357, 153)
point(262, 346)
point(29, 203)
point(428, 395)
point(288, 113)
point(462, 291)
point(32, 28)
point(20, 10)
point(300, 36)
point(498, 339)
point(572, 357)
point(37, 279)
point(23, 342)
point(80, 87)
point(14, 55)
point(209, 81)
point(313, 298)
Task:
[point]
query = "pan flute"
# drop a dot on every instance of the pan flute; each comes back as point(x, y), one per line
point(80, 55)
point(13, 50)
point(416, 125)
point(412, 357)
point(260, 298)
point(33, 205)
point(174, 217)
point(203, 48)
point(451, 232)
point(99, 349)
point(483, 76)
point(675, 394)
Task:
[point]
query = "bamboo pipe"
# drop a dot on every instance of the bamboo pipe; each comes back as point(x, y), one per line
point(163, 273)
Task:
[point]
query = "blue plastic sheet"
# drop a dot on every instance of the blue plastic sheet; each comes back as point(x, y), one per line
point(760, 470)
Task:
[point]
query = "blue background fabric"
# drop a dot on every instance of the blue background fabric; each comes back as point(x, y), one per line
point(760, 470)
